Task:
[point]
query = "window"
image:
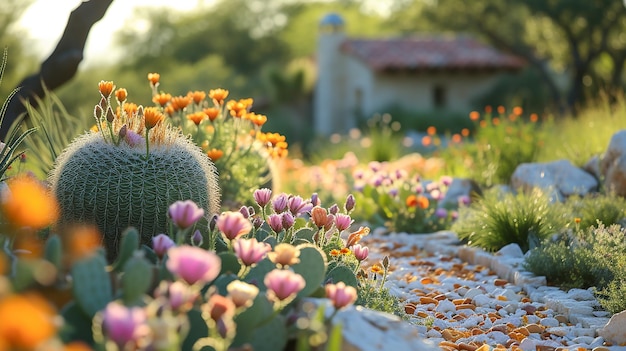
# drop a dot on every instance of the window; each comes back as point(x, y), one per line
point(439, 96)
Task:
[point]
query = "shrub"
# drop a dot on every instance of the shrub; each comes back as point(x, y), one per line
point(499, 219)
point(590, 257)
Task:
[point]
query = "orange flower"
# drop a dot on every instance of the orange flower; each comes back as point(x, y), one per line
point(237, 108)
point(27, 322)
point(218, 95)
point(456, 138)
point(376, 269)
point(106, 88)
point(355, 237)
point(215, 154)
point(488, 109)
point(495, 121)
point(334, 252)
point(197, 117)
point(534, 117)
point(162, 99)
point(513, 117)
point(577, 220)
point(121, 94)
point(152, 117)
point(345, 251)
point(411, 201)
point(212, 113)
point(517, 111)
point(427, 140)
point(131, 108)
point(431, 130)
point(154, 78)
point(483, 123)
point(422, 202)
point(474, 115)
point(465, 132)
point(197, 96)
point(169, 109)
point(82, 241)
point(77, 346)
point(501, 109)
point(258, 120)
point(28, 203)
point(180, 102)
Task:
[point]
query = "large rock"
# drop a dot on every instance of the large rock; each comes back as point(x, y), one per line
point(367, 330)
point(613, 164)
point(615, 330)
point(561, 177)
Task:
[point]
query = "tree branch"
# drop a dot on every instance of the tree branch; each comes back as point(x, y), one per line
point(62, 64)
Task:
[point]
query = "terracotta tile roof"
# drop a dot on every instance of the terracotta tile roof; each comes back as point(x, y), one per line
point(430, 53)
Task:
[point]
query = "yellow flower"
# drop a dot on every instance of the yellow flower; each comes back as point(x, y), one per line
point(256, 119)
point(152, 117)
point(577, 220)
point(376, 269)
point(27, 203)
point(284, 254)
point(106, 88)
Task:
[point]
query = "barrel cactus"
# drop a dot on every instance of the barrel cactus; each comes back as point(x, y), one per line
point(129, 170)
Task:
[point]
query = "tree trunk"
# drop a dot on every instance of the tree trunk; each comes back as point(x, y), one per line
point(62, 64)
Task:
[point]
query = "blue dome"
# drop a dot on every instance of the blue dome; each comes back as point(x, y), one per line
point(332, 20)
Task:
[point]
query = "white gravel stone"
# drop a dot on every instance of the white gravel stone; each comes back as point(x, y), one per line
point(482, 300)
point(549, 322)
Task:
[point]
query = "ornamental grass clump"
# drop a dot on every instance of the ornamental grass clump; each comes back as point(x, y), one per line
point(229, 133)
point(499, 219)
point(128, 170)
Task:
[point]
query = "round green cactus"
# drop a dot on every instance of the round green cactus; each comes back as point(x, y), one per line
point(116, 184)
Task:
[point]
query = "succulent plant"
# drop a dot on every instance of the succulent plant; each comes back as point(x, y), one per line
point(129, 171)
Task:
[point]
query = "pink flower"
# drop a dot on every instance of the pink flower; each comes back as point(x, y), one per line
point(250, 251)
point(340, 294)
point(288, 220)
point(233, 225)
point(280, 203)
point(179, 295)
point(342, 221)
point(350, 202)
point(184, 214)
point(360, 252)
point(132, 138)
point(441, 213)
point(161, 243)
point(275, 221)
point(283, 283)
point(193, 264)
point(124, 325)
point(298, 206)
point(262, 196)
point(446, 180)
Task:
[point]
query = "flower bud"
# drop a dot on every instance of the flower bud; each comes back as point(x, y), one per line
point(350, 202)
point(161, 243)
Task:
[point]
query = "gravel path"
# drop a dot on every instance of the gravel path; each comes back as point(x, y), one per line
point(462, 298)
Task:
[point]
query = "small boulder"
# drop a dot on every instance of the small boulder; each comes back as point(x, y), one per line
point(561, 177)
point(613, 331)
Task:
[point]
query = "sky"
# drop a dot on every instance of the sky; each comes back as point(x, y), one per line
point(45, 20)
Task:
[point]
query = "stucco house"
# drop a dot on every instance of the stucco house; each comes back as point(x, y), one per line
point(360, 77)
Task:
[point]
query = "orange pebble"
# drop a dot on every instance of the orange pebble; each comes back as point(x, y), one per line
point(427, 300)
point(500, 282)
